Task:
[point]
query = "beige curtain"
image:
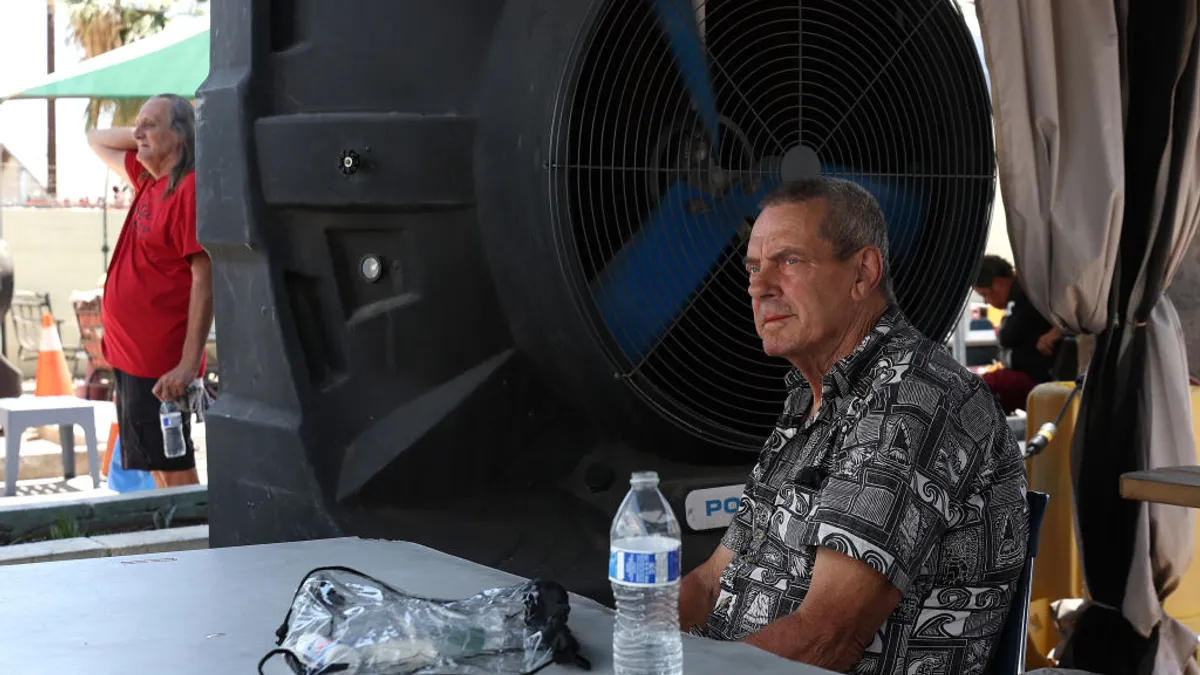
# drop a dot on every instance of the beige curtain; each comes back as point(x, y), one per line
point(1056, 91)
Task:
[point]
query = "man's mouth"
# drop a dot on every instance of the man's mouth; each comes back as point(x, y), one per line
point(773, 318)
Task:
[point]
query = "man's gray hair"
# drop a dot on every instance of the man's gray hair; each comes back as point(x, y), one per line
point(182, 119)
point(853, 219)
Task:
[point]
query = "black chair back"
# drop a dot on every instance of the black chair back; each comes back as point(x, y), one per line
point(1009, 657)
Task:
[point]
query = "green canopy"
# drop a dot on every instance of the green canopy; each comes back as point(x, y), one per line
point(171, 62)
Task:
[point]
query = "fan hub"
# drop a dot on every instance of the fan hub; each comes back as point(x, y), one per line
point(800, 162)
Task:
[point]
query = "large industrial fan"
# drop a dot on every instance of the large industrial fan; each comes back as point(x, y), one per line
point(674, 120)
point(487, 261)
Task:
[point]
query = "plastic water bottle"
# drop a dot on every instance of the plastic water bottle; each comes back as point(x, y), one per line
point(171, 420)
point(643, 567)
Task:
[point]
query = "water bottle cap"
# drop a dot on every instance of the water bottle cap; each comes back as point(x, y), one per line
point(644, 478)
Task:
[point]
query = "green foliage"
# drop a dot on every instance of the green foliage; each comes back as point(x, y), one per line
point(164, 517)
point(65, 528)
point(100, 26)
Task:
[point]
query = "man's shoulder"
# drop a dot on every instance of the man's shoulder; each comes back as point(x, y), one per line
point(184, 194)
point(921, 395)
point(915, 373)
point(967, 400)
point(187, 185)
point(924, 358)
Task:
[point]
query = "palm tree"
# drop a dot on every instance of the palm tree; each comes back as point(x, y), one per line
point(101, 26)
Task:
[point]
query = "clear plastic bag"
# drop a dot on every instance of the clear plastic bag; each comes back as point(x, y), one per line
point(343, 621)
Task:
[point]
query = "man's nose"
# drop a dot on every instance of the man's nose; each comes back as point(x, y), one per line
point(762, 286)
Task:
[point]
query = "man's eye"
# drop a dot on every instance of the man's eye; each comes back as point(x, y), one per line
point(753, 269)
point(791, 261)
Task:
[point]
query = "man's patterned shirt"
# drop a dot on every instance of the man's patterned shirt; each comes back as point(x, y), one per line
point(910, 467)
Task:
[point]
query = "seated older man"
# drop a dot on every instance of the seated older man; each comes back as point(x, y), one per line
point(884, 526)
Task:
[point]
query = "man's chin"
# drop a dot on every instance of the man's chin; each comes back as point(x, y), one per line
point(773, 349)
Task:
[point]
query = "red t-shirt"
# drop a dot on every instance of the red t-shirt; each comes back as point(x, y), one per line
point(149, 283)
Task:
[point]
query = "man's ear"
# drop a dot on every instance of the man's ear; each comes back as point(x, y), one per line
point(868, 273)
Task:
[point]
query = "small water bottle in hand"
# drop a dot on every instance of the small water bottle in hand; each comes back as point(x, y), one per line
point(643, 568)
point(171, 420)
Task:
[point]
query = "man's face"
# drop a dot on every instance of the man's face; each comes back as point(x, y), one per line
point(997, 294)
point(158, 146)
point(800, 292)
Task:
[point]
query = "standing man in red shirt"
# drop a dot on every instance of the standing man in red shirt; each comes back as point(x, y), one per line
point(158, 307)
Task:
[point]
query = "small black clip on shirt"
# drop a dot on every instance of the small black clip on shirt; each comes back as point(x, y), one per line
point(812, 477)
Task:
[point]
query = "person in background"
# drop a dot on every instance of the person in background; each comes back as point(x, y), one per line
point(158, 301)
point(884, 526)
point(1032, 342)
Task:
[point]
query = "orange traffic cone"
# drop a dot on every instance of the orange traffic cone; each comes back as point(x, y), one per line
point(108, 451)
point(53, 377)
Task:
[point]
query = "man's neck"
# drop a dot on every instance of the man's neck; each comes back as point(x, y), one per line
point(155, 171)
point(815, 364)
point(1014, 291)
point(159, 170)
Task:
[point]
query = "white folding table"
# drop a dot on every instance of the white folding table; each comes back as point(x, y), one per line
point(216, 610)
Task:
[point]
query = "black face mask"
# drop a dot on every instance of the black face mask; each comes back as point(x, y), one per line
point(342, 621)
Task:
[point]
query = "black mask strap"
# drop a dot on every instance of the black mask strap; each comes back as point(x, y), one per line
point(297, 667)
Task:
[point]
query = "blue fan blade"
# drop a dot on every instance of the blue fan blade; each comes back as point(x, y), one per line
point(678, 21)
point(905, 207)
point(649, 281)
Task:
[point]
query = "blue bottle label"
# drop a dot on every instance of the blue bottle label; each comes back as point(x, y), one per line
point(171, 420)
point(643, 569)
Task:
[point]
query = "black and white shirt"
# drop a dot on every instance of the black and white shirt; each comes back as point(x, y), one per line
point(910, 467)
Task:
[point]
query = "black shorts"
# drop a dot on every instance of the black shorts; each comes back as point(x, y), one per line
point(140, 430)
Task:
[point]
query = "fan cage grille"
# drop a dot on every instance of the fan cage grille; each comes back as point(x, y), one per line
point(889, 94)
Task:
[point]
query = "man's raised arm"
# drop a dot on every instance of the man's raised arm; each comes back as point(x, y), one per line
point(110, 145)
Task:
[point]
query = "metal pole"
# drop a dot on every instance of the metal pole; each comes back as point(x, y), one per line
point(959, 347)
point(51, 117)
point(104, 223)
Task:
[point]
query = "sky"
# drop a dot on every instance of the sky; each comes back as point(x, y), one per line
point(23, 123)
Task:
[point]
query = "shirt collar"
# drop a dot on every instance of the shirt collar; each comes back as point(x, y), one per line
point(840, 379)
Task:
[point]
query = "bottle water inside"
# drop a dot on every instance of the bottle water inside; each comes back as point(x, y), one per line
point(171, 420)
point(644, 570)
